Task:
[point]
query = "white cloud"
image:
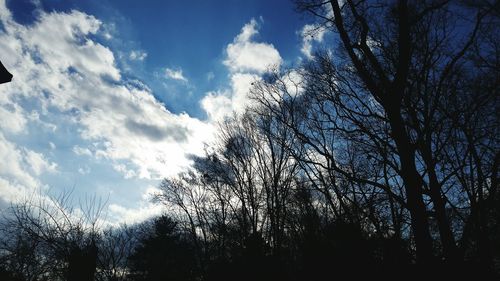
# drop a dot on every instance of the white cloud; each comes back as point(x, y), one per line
point(241, 84)
point(125, 171)
point(64, 74)
point(120, 214)
point(13, 116)
point(143, 209)
point(34, 117)
point(293, 82)
point(19, 169)
point(311, 33)
point(150, 192)
point(221, 104)
point(175, 74)
point(108, 30)
point(217, 105)
point(38, 163)
point(67, 75)
point(246, 61)
point(137, 55)
point(78, 150)
point(245, 55)
point(13, 164)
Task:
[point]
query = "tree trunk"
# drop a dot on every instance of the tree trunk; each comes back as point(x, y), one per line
point(413, 188)
point(450, 249)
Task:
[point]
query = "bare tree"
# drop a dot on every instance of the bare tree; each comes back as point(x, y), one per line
point(116, 245)
point(62, 239)
point(383, 102)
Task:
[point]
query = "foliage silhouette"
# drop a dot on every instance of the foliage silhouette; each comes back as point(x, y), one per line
point(163, 254)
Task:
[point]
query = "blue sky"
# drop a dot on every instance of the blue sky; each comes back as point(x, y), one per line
point(110, 96)
point(187, 35)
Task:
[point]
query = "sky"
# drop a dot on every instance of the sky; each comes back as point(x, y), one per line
point(111, 96)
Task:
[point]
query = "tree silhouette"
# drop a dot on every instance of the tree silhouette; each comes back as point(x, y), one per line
point(44, 239)
point(377, 157)
point(163, 254)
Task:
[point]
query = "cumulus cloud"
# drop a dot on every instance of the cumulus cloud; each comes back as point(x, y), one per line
point(175, 74)
point(65, 74)
point(217, 105)
point(221, 104)
point(246, 60)
point(19, 170)
point(311, 33)
point(246, 55)
point(119, 214)
point(38, 163)
point(13, 117)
